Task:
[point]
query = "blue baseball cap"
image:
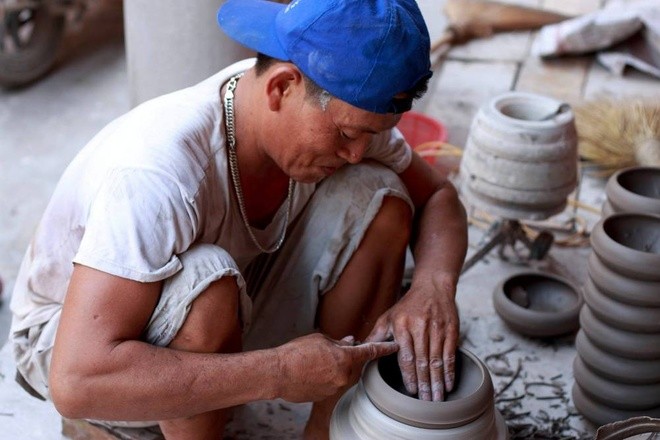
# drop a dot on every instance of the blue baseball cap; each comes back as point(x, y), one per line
point(368, 53)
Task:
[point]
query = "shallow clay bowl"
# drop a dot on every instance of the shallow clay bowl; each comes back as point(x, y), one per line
point(629, 244)
point(471, 397)
point(632, 397)
point(601, 414)
point(635, 189)
point(537, 304)
point(617, 368)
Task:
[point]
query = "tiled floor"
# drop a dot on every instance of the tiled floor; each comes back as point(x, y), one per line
point(43, 126)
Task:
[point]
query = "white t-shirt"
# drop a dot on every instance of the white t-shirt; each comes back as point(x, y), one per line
point(143, 190)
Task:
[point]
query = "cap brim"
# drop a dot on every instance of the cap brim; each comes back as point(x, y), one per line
point(252, 24)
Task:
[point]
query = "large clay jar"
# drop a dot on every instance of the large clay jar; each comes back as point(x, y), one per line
point(617, 368)
point(378, 407)
point(520, 158)
point(537, 304)
point(635, 189)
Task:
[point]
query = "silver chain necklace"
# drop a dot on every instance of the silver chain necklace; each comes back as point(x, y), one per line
point(236, 178)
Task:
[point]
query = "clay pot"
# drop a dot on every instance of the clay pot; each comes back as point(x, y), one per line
point(629, 244)
point(619, 342)
point(614, 367)
point(621, 315)
point(635, 428)
point(635, 189)
point(614, 394)
point(601, 414)
point(622, 288)
point(537, 304)
point(520, 159)
point(379, 408)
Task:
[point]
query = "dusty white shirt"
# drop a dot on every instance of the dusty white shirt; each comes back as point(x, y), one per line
point(143, 190)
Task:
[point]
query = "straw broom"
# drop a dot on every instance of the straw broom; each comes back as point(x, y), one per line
point(617, 134)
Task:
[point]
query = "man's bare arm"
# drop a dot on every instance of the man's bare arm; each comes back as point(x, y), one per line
point(100, 368)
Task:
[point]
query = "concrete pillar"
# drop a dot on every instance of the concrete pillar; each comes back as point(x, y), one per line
point(171, 44)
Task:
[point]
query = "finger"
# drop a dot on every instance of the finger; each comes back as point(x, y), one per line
point(406, 359)
point(449, 358)
point(422, 365)
point(381, 331)
point(347, 340)
point(373, 350)
point(436, 365)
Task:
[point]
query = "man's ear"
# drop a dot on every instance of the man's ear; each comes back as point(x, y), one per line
point(283, 80)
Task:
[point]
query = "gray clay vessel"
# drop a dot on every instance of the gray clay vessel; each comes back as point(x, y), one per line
point(601, 414)
point(378, 407)
point(620, 315)
point(617, 368)
point(622, 288)
point(635, 428)
point(614, 394)
point(619, 342)
point(635, 189)
point(538, 304)
point(629, 244)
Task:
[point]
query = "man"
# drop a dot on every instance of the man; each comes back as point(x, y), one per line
point(234, 241)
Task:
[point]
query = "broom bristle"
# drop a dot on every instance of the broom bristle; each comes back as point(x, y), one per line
point(609, 132)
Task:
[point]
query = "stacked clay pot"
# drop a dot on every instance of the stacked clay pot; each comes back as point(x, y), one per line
point(379, 407)
point(520, 158)
point(634, 189)
point(617, 368)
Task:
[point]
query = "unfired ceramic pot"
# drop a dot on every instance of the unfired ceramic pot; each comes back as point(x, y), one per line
point(634, 397)
point(642, 319)
point(635, 189)
point(619, 342)
point(622, 288)
point(520, 158)
point(601, 414)
point(378, 407)
point(538, 304)
point(635, 428)
point(629, 244)
point(617, 368)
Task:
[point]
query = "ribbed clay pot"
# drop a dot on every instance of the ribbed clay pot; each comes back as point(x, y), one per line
point(537, 304)
point(622, 343)
point(622, 288)
point(601, 414)
point(634, 428)
point(635, 189)
point(379, 408)
point(621, 315)
point(629, 244)
point(615, 394)
point(617, 368)
point(520, 158)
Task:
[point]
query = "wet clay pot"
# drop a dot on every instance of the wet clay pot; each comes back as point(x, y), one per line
point(520, 158)
point(629, 244)
point(635, 189)
point(616, 368)
point(621, 288)
point(621, 315)
point(635, 428)
point(378, 407)
point(614, 394)
point(601, 414)
point(537, 304)
point(622, 343)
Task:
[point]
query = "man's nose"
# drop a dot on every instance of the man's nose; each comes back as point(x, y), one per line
point(353, 151)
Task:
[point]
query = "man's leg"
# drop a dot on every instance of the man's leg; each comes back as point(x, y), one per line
point(212, 326)
point(367, 287)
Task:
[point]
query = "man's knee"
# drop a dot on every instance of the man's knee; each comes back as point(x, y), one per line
point(213, 323)
point(393, 222)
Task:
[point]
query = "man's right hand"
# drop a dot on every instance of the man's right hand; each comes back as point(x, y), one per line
point(315, 367)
